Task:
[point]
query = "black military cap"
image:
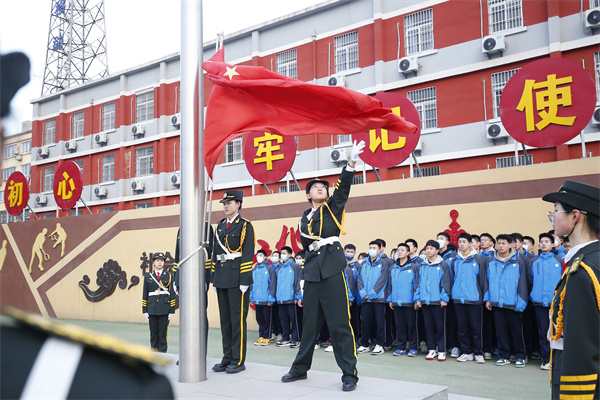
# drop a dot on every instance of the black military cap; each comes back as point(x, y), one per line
point(580, 196)
point(316, 180)
point(14, 74)
point(159, 255)
point(237, 195)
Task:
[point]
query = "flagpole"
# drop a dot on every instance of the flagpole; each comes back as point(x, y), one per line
point(192, 307)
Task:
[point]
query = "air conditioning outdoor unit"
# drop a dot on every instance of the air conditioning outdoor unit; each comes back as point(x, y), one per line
point(419, 147)
point(495, 131)
point(100, 191)
point(176, 120)
point(137, 186)
point(138, 130)
point(18, 157)
point(493, 44)
point(43, 151)
point(176, 180)
point(41, 199)
point(408, 64)
point(339, 155)
point(596, 116)
point(101, 138)
point(71, 145)
point(337, 80)
point(592, 18)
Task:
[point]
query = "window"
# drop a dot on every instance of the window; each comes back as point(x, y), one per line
point(49, 132)
point(26, 169)
point(108, 168)
point(426, 171)
point(78, 121)
point(426, 103)
point(7, 172)
point(499, 81)
point(1, 196)
point(144, 161)
point(357, 180)
point(49, 216)
point(287, 64)
point(9, 151)
point(108, 116)
point(344, 139)
point(107, 209)
point(147, 204)
point(504, 162)
point(48, 179)
point(26, 147)
point(293, 188)
point(233, 150)
point(3, 217)
point(594, 3)
point(79, 163)
point(346, 51)
point(418, 32)
point(597, 69)
point(144, 106)
point(504, 15)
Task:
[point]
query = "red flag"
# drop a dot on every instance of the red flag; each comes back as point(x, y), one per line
point(246, 99)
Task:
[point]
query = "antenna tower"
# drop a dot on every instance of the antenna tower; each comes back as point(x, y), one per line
point(76, 50)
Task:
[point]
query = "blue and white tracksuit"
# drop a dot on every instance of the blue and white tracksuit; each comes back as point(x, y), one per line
point(372, 283)
point(262, 293)
point(403, 283)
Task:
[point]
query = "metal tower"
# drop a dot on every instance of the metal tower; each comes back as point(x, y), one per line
point(76, 51)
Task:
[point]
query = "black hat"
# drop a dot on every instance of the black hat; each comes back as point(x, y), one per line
point(580, 196)
point(159, 255)
point(316, 180)
point(14, 74)
point(237, 195)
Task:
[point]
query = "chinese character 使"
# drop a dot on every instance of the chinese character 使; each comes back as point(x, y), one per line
point(15, 193)
point(375, 141)
point(62, 187)
point(266, 148)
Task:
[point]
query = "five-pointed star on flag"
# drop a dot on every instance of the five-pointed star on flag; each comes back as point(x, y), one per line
point(230, 72)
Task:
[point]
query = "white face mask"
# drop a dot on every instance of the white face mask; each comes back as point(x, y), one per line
point(556, 244)
point(298, 260)
point(284, 257)
point(525, 247)
point(275, 259)
point(260, 259)
point(441, 242)
point(372, 253)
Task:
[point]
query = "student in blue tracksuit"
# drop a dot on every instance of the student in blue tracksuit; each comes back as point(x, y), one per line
point(487, 249)
point(468, 287)
point(262, 296)
point(287, 295)
point(403, 282)
point(351, 272)
point(507, 297)
point(432, 295)
point(275, 322)
point(543, 273)
point(448, 254)
point(372, 283)
point(488, 245)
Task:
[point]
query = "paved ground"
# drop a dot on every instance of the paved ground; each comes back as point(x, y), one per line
point(381, 376)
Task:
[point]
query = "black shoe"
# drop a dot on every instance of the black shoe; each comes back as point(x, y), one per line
point(348, 386)
point(234, 369)
point(177, 362)
point(293, 378)
point(220, 367)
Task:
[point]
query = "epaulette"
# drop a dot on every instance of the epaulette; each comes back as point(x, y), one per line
point(574, 265)
point(102, 342)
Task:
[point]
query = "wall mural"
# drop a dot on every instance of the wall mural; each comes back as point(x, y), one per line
point(107, 278)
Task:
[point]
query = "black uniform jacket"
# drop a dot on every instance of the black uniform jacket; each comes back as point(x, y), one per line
point(209, 251)
point(236, 272)
point(161, 304)
point(328, 260)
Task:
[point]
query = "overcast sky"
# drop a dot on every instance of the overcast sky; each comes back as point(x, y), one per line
point(137, 31)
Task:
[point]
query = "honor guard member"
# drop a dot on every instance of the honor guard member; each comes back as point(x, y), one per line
point(158, 302)
point(233, 258)
point(325, 294)
point(575, 309)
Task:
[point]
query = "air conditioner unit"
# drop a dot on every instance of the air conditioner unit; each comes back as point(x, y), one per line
point(408, 64)
point(336, 80)
point(419, 147)
point(137, 186)
point(176, 180)
point(41, 199)
point(71, 145)
point(43, 152)
point(18, 157)
point(100, 191)
point(596, 117)
point(592, 18)
point(495, 131)
point(176, 120)
point(493, 44)
point(138, 130)
point(101, 138)
point(339, 155)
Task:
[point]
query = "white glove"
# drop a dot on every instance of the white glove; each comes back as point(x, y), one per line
point(243, 288)
point(357, 149)
point(302, 288)
point(170, 316)
point(175, 289)
point(147, 316)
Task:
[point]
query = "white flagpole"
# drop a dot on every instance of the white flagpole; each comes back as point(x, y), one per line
point(192, 307)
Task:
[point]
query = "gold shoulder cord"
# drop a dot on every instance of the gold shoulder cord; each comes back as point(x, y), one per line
point(241, 240)
point(340, 226)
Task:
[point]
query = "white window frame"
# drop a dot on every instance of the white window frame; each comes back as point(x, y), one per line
point(49, 132)
point(78, 125)
point(425, 101)
point(504, 15)
point(7, 172)
point(26, 147)
point(48, 182)
point(3, 217)
point(108, 168)
point(144, 106)
point(9, 151)
point(597, 72)
point(499, 81)
point(287, 63)
point(26, 169)
point(108, 116)
point(346, 51)
point(284, 188)
point(145, 204)
point(594, 3)
point(234, 151)
point(418, 32)
point(144, 161)
point(344, 140)
point(107, 209)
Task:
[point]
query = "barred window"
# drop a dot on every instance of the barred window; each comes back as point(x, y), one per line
point(418, 32)
point(594, 3)
point(108, 168)
point(504, 15)
point(425, 101)
point(108, 116)
point(499, 81)
point(144, 161)
point(48, 216)
point(26, 169)
point(49, 132)
point(505, 162)
point(9, 151)
point(78, 122)
point(146, 204)
point(107, 209)
point(144, 106)
point(426, 171)
point(344, 139)
point(233, 150)
point(346, 51)
point(3, 217)
point(287, 64)
point(284, 188)
point(357, 180)
point(48, 179)
point(7, 172)
point(597, 70)
point(26, 147)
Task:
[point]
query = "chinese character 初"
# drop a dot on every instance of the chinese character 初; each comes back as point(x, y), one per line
point(266, 148)
point(374, 141)
point(62, 187)
point(15, 193)
point(549, 99)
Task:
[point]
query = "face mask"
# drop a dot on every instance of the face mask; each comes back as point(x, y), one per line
point(422, 256)
point(260, 259)
point(525, 247)
point(284, 257)
point(275, 259)
point(372, 253)
point(441, 242)
point(556, 244)
point(349, 256)
point(298, 260)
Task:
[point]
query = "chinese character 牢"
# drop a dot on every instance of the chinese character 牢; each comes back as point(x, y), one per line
point(266, 148)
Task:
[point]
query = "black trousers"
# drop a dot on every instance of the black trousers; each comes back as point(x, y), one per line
point(543, 323)
point(327, 300)
point(373, 317)
point(233, 310)
point(469, 317)
point(435, 327)
point(390, 326)
point(530, 330)
point(488, 331)
point(299, 316)
point(263, 318)
point(289, 326)
point(355, 319)
point(451, 326)
point(406, 327)
point(509, 329)
point(158, 332)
